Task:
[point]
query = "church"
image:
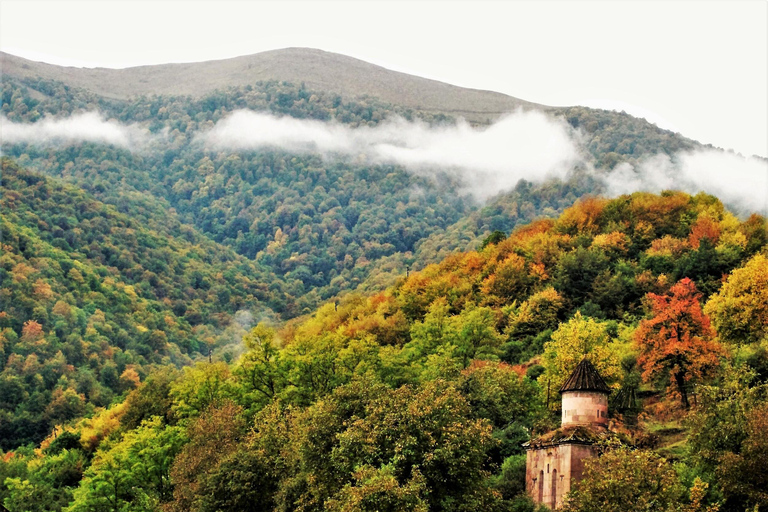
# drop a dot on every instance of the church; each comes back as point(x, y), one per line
point(555, 461)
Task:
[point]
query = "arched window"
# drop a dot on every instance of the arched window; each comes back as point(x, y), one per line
point(541, 487)
point(554, 488)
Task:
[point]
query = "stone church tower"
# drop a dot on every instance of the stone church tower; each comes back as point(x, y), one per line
point(556, 460)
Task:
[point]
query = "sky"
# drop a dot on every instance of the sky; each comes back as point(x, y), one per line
point(700, 68)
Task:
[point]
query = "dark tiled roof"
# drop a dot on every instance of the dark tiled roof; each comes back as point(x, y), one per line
point(585, 377)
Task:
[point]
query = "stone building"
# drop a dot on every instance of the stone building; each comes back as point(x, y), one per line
point(556, 460)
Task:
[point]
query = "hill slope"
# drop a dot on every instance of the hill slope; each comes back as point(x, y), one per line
point(414, 395)
point(318, 70)
point(321, 227)
point(89, 293)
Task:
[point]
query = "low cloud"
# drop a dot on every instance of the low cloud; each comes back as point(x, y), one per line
point(527, 145)
point(228, 342)
point(740, 182)
point(523, 145)
point(87, 127)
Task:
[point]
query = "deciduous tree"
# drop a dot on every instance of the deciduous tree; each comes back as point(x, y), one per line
point(625, 480)
point(739, 311)
point(571, 342)
point(677, 340)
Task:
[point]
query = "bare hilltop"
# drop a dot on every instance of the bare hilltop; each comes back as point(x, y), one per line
point(317, 69)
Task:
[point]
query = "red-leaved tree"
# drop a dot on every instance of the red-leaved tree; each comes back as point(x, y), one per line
point(677, 339)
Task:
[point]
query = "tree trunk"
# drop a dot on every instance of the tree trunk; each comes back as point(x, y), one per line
point(680, 381)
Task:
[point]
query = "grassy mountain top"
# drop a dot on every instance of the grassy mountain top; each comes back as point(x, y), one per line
point(317, 69)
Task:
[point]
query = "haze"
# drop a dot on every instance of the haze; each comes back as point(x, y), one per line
point(700, 68)
point(487, 161)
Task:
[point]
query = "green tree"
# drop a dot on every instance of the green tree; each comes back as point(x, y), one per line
point(625, 480)
point(577, 271)
point(428, 431)
point(132, 474)
point(727, 438)
point(48, 484)
point(378, 490)
point(202, 386)
point(493, 239)
point(260, 368)
point(571, 342)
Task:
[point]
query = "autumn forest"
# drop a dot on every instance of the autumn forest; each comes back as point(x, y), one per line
point(193, 329)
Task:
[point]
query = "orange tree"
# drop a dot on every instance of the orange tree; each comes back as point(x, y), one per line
point(677, 340)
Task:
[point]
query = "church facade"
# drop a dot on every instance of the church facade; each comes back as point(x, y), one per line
point(555, 461)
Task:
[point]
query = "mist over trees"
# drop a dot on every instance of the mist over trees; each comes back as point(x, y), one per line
point(189, 328)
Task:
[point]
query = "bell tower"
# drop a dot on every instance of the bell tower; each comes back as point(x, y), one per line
point(555, 461)
point(585, 397)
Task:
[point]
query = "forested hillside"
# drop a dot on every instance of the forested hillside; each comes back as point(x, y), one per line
point(420, 397)
point(92, 300)
point(187, 325)
point(321, 226)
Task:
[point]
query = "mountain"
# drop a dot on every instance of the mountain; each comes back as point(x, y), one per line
point(318, 227)
point(131, 373)
point(316, 69)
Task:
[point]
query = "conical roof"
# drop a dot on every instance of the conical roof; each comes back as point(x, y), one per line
point(585, 377)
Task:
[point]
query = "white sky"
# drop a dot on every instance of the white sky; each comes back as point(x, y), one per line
point(697, 67)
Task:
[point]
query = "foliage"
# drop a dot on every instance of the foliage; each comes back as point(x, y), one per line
point(47, 484)
point(727, 439)
point(92, 300)
point(318, 228)
point(739, 311)
point(416, 397)
point(624, 480)
point(132, 474)
point(428, 430)
point(613, 137)
point(151, 398)
point(492, 239)
point(741, 474)
point(676, 342)
point(202, 386)
point(378, 489)
point(212, 437)
point(578, 338)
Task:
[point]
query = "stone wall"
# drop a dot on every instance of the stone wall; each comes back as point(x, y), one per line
point(551, 471)
point(585, 408)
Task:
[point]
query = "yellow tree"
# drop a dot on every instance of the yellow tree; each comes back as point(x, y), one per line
point(739, 311)
point(579, 337)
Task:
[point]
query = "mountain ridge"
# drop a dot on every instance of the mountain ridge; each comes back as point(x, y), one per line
point(317, 69)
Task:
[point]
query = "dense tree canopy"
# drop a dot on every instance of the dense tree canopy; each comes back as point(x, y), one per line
point(416, 397)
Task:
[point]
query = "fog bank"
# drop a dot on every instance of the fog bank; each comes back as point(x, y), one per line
point(488, 160)
point(86, 127)
point(741, 182)
point(527, 145)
